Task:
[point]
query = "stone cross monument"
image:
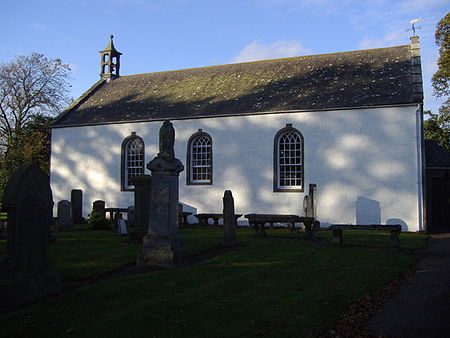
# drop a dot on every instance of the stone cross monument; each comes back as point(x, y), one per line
point(162, 244)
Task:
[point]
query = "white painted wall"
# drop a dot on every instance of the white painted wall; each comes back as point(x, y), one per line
point(363, 161)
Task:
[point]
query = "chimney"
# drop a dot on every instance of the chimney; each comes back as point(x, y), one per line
point(416, 69)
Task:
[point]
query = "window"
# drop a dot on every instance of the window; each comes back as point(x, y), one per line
point(199, 159)
point(132, 160)
point(288, 160)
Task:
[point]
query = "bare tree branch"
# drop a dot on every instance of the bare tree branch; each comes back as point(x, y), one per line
point(30, 85)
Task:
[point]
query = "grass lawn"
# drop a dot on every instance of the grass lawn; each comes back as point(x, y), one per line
point(275, 286)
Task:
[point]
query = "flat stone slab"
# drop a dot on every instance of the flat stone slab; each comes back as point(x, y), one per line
point(203, 218)
point(259, 220)
point(394, 229)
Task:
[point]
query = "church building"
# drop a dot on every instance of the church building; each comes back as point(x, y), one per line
point(349, 122)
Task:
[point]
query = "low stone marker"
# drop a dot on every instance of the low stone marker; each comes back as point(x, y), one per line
point(63, 221)
point(130, 216)
point(99, 206)
point(229, 219)
point(162, 244)
point(25, 273)
point(76, 198)
point(310, 207)
point(142, 194)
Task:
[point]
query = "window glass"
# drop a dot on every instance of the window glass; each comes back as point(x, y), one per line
point(200, 159)
point(133, 160)
point(289, 160)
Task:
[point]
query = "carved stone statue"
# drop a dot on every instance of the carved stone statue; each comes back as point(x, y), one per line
point(165, 161)
point(166, 141)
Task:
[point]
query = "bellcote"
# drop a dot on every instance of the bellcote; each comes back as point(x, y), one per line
point(110, 61)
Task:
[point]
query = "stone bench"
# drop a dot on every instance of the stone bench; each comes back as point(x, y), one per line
point(112, 211)
point(183, 217)
point(257, 221)
point(394, 229)
point(203, 218)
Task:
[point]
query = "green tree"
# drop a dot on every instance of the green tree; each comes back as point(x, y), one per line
point(33, 89)
point(437, 126)
point(441, 79)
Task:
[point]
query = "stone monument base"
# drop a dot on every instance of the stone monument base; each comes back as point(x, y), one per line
point(18, 289)
point(136, 236)
point(161, 251)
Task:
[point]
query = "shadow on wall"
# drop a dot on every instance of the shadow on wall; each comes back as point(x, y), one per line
point(368, 211)
point(359, 174)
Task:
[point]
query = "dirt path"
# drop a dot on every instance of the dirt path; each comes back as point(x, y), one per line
point(421, 307)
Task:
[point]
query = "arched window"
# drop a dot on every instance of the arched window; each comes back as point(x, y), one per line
point(288, 160)
point(199, 159)
point(132, 160)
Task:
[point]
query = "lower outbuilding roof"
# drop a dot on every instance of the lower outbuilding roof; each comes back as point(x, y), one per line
point(436, 156)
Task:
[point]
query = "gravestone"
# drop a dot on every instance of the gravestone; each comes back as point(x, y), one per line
point(162, 243)
point(99, 206)
point(229, 219)
point(76, 198)
point(63, 221)
point(25, 273)
point(310, 206)
point(130, 216)
point(142, 186)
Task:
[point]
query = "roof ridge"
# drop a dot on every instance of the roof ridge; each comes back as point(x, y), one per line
point(262, 61)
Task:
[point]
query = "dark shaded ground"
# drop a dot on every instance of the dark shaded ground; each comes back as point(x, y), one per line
point(414, 305)
point(129, 270)
point(421, 307)
point(133, 269)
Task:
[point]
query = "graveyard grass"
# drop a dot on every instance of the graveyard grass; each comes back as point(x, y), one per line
point(281, 285)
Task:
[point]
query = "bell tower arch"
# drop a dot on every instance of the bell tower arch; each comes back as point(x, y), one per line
point(110, 61)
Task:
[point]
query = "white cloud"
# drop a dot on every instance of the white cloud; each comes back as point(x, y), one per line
point(40, 26)
point(257, 50)
point(416, 6)
point(391, 39)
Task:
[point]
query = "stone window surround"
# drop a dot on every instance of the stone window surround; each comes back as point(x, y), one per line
point(276, 167)
point(123, 172)
point(189, 181)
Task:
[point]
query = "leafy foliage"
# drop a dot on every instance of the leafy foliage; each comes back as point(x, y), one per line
point(441, 79)
point(437, 128)
point(97, 221)
point(32, 89)
point(33, 146)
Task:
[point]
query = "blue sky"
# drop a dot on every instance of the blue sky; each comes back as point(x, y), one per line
point(159, 35)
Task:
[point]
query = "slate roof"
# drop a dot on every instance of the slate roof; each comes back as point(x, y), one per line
point(329, 81)
point(436, 156)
